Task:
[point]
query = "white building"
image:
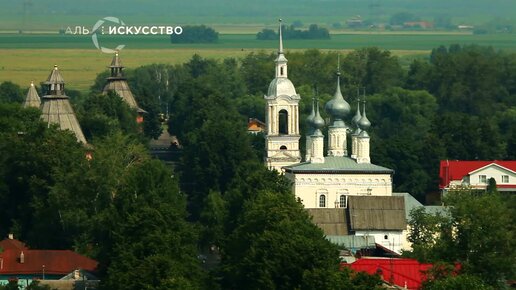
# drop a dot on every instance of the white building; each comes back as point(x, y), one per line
point(344, 181)
point(282, 117)
point(476, 174)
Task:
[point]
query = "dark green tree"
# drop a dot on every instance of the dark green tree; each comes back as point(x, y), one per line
point(274, 244)
point(195, 34)
point(103, 115)
point(31, 154)
point(151, 245)
point(475, 232)
point(372, 68)
point(11, 93)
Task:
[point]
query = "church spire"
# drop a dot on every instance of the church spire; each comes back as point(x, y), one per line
point(363, 146)
point(364, 123)
point(310, 131)
point(281, 115)
point(281, 60)
point(338, 109)
point(358, 115)
point(280, 51)
point(354, 135)
point(317, 137)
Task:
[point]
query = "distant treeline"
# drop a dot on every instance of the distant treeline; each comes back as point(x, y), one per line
point(195, 34)
point(290, 32)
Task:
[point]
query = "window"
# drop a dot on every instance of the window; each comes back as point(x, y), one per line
point(482, 179)
point(505, 178)
point(322, 200)
point(343, 201)
point(281, 71)
point(386, 237)
point(283, 122)
point(283, 147)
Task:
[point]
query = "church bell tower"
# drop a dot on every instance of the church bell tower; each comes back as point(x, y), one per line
point(282, 116)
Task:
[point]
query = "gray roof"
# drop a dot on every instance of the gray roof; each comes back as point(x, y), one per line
point(118, 83)
point(412, 203)
point(334, 164)
point(55, 77)
point(331, 220)
point(56, 109)
point(32, 99)
point(122, 89)
point(377, 213)
point(116, 62)
point(281, 86)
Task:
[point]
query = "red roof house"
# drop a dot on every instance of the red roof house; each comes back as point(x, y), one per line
point(17, 260)
point(477, 173)
point(255, 126)
point(407, 273)
point(12, 244)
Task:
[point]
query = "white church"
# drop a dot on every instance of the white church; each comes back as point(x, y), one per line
point(345, 193)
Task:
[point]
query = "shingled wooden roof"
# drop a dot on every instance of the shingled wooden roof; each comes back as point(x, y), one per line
point(32, 100)
point(56, 107)
point(118, 83)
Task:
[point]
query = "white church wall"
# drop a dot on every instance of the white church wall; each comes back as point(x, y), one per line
point(310, 187)
point(392, 240)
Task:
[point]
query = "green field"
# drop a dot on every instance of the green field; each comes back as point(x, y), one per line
point(30, 57)
point(408, 41)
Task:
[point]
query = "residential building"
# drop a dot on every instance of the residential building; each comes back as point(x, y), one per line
point(476, 174)
point(17, 261)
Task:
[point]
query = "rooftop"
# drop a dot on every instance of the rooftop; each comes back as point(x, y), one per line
point(334, 164)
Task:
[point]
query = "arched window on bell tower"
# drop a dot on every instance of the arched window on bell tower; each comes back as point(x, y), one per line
point(283, 122)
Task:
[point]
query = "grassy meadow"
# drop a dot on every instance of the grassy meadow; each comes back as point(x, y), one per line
point(26, 57)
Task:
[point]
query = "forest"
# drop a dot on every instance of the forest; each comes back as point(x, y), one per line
point(148, 224)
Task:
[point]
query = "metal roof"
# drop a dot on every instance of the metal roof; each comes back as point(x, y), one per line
point(281, 86)
point(331, 220)
point(411, 203)
point(377, 213)
point(56, 262)
point(335, 164)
